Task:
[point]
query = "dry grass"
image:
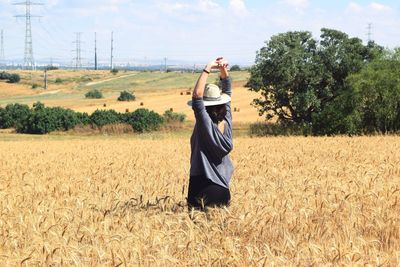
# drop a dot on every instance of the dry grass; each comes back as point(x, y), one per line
point(157, 91)
point(120, 201)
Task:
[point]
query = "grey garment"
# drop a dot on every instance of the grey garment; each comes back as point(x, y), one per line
point(210, 148)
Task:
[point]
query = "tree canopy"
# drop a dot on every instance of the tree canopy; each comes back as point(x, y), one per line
point(332, 85)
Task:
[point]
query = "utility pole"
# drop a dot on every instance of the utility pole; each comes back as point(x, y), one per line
point(2, 58)
point(45, 79)
point(78, 58)
point(165, 64)
point(369, 33)
point(95, 51)
point(112, 50)
point(29, 62)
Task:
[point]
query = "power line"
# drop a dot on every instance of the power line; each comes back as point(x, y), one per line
point(29, 62)
point(78, 58)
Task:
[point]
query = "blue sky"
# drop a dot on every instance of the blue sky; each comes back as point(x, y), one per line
point(191, 31)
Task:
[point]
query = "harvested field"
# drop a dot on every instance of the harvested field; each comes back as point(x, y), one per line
point(114, 201)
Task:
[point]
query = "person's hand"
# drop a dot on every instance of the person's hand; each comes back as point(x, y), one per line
point(222, 63)
point(212, 65)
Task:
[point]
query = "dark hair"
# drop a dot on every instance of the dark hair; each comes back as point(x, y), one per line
point(217, 113)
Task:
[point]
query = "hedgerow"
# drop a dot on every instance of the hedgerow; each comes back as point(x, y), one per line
point(42, 120)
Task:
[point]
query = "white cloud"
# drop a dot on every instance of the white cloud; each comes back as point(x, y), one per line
point(238, 7)
point(353, 8)
point(299, 5)
point(207, 5)
point(379, 7)
point(172, 7)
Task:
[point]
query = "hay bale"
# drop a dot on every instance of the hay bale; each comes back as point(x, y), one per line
point(181, 93)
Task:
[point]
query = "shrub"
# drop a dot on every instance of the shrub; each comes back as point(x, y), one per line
point(58, 80)
point(126, 96)
point(235, 68)
point(14, 78)
point(104, 117)
point(170, 116)
point(4, 75)
point(94, 94)
point(51, 67)
point(143, 120)
point(114, 71)
point(83, 118)
point(3, 116)
point(35, 85)
point(44, 120)
point(13, 116)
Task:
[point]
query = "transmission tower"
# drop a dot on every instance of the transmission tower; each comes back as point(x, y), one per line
point(2, 58)
point(112, 51)
point(29, 62)
point(78, 58)
point(369, 33)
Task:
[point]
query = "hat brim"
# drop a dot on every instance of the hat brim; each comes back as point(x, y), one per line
point(224, 99)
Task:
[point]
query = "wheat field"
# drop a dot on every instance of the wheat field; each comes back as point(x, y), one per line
point(120, 201)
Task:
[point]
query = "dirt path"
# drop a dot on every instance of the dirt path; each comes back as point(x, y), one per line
point(110, 79)
point(50, 93)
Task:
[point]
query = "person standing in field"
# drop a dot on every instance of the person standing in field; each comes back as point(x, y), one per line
point(211, 142)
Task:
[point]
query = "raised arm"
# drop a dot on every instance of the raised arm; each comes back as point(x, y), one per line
point(198, 91)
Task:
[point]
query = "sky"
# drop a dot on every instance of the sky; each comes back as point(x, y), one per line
point(192, 32)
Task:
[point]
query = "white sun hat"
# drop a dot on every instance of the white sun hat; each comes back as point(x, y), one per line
point(213, 96)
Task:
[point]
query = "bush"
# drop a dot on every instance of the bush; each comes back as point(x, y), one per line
point(114, 71)
point(51, 67)
point(13, 116)
point(94, 94)
point(104, 117)
point(126, 96)
point(58, 80)
point(83, 118)
point(235, 68)
point(44, 120)
point(4, 75)
point(35, 85)
point(170, 116)
point(14, 78)
point(143, 120)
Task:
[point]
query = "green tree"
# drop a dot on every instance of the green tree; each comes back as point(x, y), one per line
point(286, 77)
point(299, 77)
point(378, 89)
